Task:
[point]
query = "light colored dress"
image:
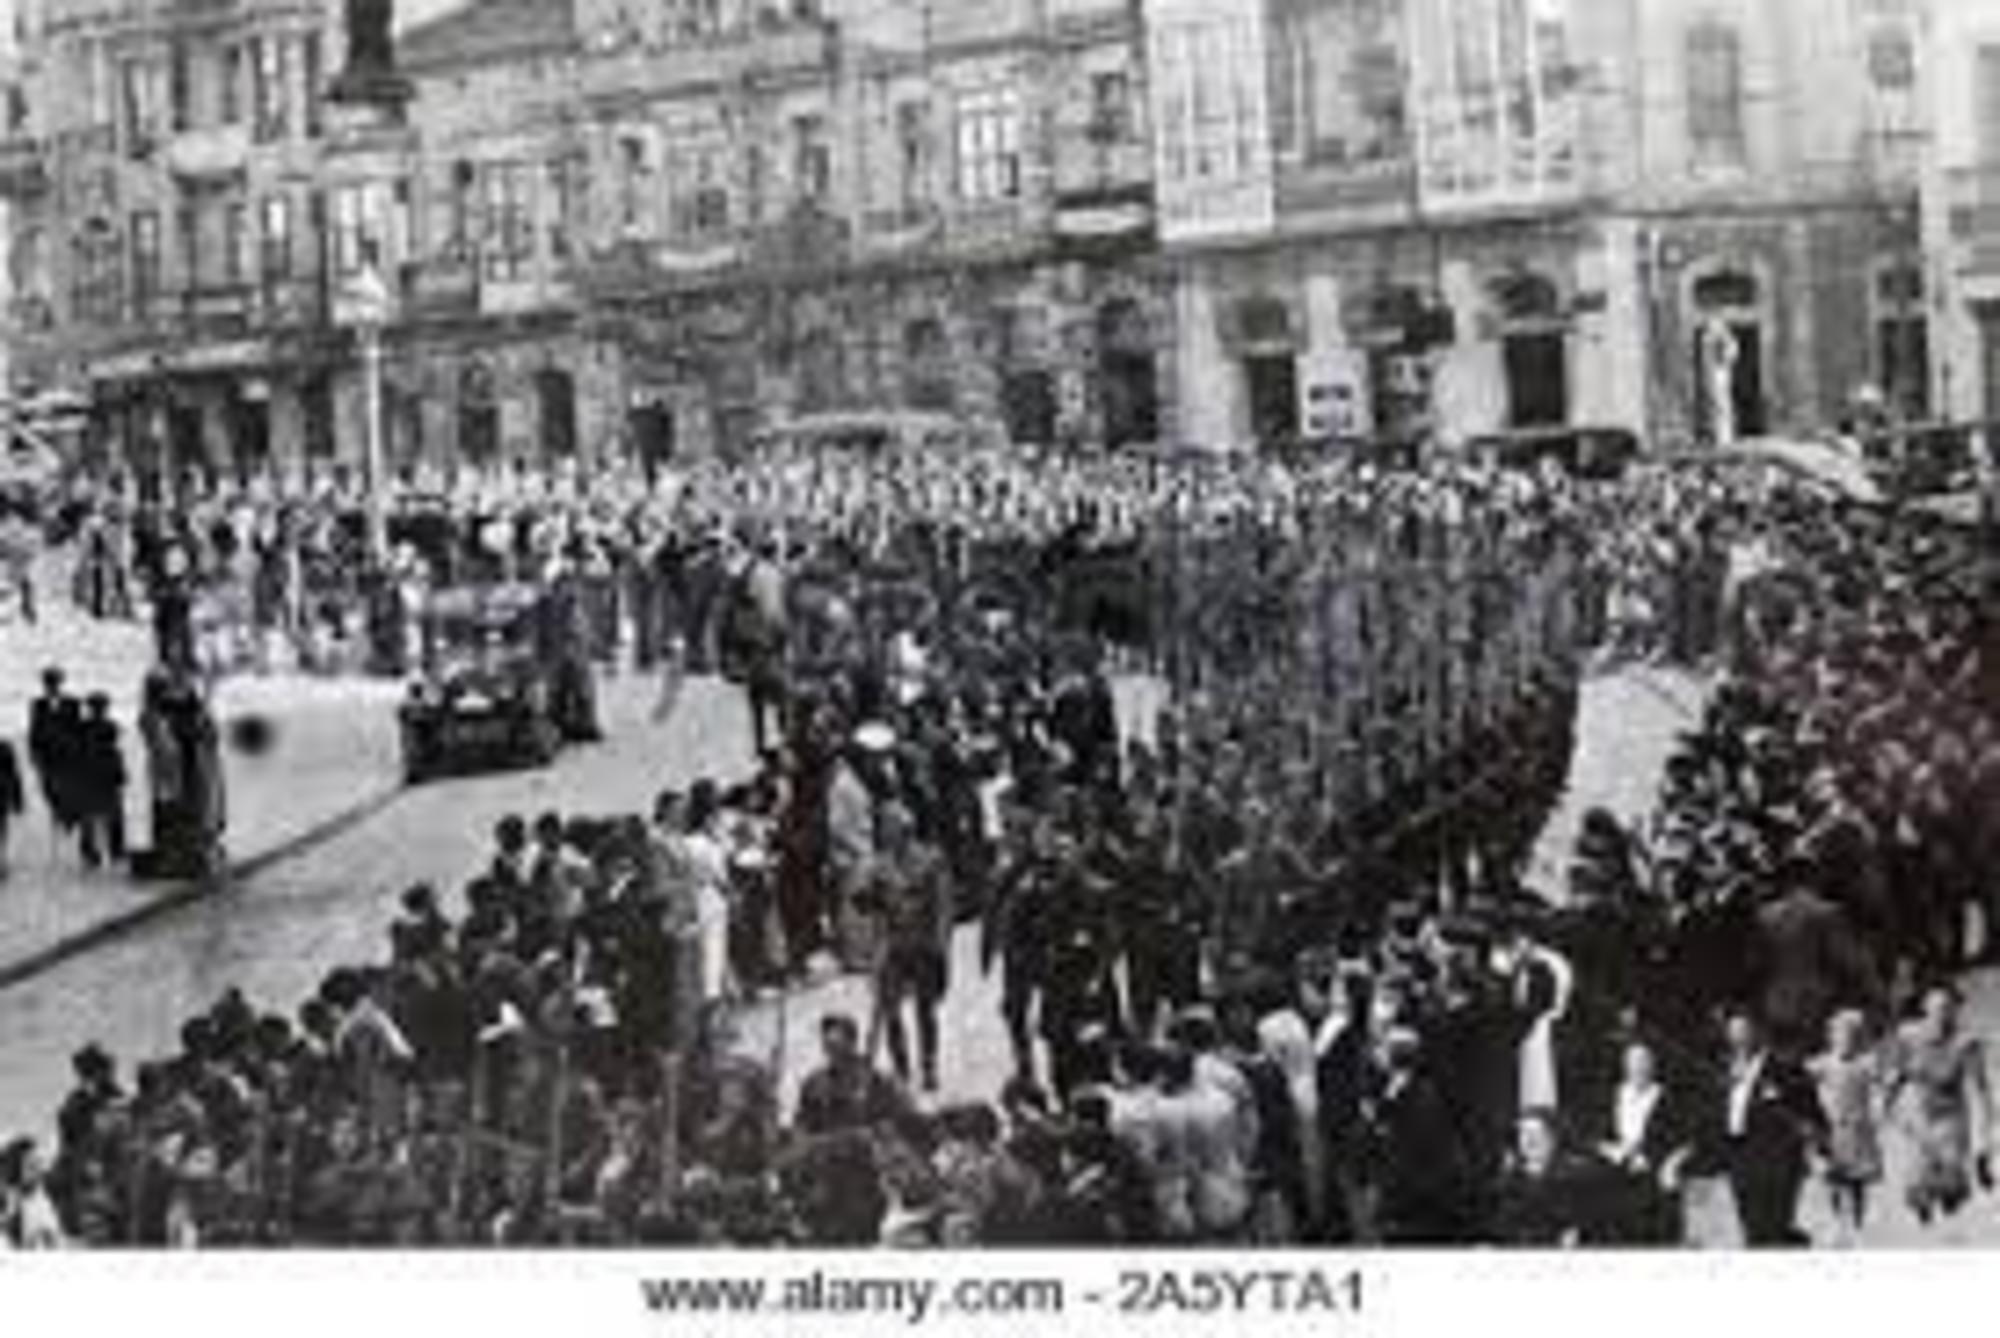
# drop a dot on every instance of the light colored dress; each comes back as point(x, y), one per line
point(1935, 1077)
point(1847, 1090)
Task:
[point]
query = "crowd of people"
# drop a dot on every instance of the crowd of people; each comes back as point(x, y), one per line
point(1250, 998)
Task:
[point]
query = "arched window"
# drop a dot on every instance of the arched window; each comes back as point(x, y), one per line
point(1527, 297)
point(1715, 92)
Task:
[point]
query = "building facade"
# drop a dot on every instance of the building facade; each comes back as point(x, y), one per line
point(168, 199)
point(1961, 214)
point(1492, 214)
point(649, 228)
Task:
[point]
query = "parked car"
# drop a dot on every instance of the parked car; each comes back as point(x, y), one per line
point(483, 698)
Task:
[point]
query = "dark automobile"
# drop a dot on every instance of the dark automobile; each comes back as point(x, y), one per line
point(483, 697)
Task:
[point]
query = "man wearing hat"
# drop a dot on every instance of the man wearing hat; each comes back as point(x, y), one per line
point(55, 729)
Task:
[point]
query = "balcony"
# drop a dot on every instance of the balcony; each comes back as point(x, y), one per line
point(219, 153)
point(24, 168)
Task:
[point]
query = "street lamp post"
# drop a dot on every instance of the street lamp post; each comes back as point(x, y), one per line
point(366, 306)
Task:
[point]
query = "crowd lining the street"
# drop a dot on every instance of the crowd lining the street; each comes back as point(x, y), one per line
point(1255, 993)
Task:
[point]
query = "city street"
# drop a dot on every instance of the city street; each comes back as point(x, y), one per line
point(277, 934)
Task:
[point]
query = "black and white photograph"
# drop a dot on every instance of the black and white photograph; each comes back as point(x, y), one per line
point(1303, 627)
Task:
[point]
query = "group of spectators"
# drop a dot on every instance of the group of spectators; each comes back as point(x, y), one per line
point(1243, 1007)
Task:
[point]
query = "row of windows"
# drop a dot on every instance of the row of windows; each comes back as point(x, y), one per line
point(218, 250)
point(1716, 92)
point(273, 84)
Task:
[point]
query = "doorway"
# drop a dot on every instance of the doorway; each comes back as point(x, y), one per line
point(185, 446)
point(1272, 383)
point(653, 431)
point(1736, 298)
point(1752, 412)
point(250, 436)
point(1537, 369)
point(555, 392)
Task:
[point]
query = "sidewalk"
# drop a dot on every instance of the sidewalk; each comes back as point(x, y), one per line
point(333, 758)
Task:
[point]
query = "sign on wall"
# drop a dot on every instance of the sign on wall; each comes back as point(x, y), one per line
point(1333, 394)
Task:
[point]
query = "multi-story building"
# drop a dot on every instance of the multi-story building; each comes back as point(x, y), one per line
point(648, 230)
point(1962, 205)
point(649, 226)
point(608, 227)
point(167, 255)
point(1772, 173)
point(1480, 214)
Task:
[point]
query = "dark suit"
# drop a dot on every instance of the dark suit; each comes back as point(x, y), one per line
point(1643, 1212)
point(1766, 1154)
point(100, 787)
point(55, 729)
